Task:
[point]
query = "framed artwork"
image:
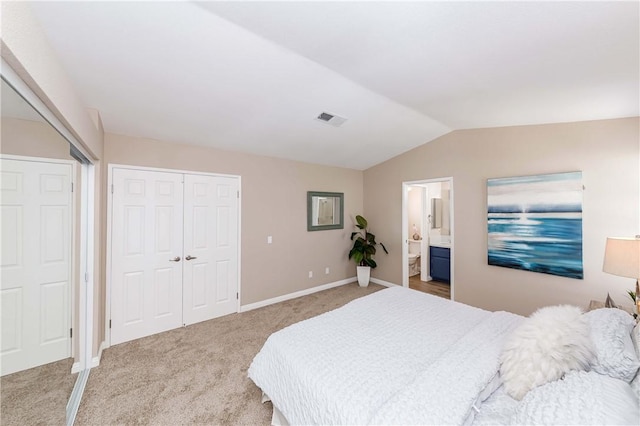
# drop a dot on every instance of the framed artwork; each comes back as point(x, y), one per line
point(535, 223)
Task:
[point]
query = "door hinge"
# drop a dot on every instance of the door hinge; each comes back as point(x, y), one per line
point(237, 296)
point(109, 323)
point(112, 188)
point(86, 277)
point(71, 332)
point(71, 186)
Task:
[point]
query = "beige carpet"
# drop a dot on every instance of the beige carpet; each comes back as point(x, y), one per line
point(197, 374)
point(37, 396)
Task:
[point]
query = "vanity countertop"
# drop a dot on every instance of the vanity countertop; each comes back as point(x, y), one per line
point(440, 242)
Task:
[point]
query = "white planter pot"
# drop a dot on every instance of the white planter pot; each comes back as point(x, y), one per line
point(364, 273)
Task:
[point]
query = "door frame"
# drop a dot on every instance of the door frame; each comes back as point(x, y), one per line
point(110, 168)
point(405, 227)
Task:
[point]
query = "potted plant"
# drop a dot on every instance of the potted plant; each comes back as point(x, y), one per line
point(364, 247)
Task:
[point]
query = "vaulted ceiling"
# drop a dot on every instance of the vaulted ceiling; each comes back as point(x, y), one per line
point(253, 76)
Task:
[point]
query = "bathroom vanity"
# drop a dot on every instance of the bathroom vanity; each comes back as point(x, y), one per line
point(440, 263)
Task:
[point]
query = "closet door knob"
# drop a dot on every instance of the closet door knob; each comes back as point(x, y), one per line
point(175, 259)
point(190, 257)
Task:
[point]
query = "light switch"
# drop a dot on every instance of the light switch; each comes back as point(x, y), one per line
point(269, 239)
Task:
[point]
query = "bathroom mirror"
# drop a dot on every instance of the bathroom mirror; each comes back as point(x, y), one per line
point(436, 213)
point(325, 210)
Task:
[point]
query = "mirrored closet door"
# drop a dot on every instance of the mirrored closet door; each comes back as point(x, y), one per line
point(41, 297)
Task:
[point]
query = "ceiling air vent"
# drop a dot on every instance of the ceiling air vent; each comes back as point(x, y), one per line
point(334, 120)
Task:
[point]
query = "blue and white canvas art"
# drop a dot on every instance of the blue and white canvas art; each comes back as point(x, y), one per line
point(535, 223)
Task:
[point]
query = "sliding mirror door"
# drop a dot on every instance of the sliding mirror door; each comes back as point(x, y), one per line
point(43, 311)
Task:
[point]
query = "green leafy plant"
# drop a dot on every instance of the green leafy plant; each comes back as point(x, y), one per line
point(632, 295)
point(364, 244)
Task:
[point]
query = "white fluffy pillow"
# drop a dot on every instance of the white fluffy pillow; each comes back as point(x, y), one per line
point(551, 342)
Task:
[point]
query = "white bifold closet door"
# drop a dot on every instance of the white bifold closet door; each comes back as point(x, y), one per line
point(174, 246)
point(146, 232)
point(210, 247)
point(36, 263)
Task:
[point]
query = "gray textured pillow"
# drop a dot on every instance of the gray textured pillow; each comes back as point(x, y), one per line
point(635, 338)
point(581, 398)
point(610, 331)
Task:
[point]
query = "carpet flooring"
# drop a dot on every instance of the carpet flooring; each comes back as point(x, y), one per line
point(197, 374)
point(37, 396)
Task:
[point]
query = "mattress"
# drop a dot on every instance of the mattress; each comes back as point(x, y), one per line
point(380, 358)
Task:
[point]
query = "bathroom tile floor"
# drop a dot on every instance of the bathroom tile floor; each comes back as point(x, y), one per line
point(432, 287)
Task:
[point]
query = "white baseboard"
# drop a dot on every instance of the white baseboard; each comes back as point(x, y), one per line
point(95, 361)
point(384, 283)
point(263, 303)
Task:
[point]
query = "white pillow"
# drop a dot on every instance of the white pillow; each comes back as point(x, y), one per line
point(551, 342)
point(581, 398)
point(610, 331)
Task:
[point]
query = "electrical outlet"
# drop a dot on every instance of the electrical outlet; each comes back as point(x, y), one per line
point(310, 274)
point(326, 270)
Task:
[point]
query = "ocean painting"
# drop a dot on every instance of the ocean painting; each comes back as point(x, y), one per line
point(535, 223)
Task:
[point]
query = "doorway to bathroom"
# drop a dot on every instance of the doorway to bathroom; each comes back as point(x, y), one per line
point(427, 234)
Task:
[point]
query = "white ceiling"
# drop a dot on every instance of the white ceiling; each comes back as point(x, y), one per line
point(252, 76)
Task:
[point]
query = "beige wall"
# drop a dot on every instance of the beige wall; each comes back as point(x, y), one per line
point(32, 139)
point(273, 203)
point(608, 154)
point(414, 207)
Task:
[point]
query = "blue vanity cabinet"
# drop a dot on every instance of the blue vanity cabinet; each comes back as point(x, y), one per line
point(440, 263)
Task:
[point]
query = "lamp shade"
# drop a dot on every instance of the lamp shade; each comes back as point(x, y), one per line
point(622, 257)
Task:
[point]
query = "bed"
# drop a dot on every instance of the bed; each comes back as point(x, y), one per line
point(399, 356)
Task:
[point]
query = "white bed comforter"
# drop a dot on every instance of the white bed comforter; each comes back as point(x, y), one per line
point(396, 356)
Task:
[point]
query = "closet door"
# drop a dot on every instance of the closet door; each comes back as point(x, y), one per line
point(210, 247)
point(146, 253)
point(36, 263)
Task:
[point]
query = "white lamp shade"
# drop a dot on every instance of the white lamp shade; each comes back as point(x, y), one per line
point(622, 257)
